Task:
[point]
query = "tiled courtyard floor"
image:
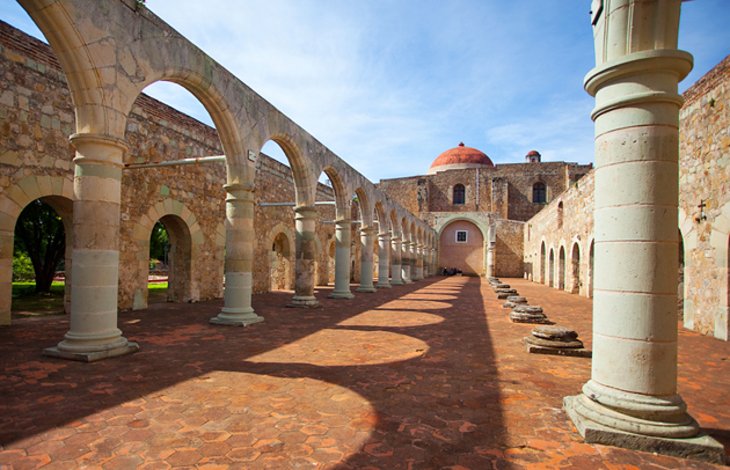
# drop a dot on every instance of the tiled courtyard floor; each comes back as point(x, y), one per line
point(429, 375)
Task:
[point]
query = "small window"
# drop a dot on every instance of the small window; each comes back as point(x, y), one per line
point(539, 193)
point(459, 194)
point(461, 236)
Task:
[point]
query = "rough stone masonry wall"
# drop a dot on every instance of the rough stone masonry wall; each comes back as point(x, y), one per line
point(577, 229)
point(36, 118)
point(509, 248)
point(515, 198)
point(704, 175)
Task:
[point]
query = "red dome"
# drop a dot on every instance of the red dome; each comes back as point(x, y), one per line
point(469, 157)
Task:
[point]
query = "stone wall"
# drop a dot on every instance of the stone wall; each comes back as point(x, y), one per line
point(508, 260)
point(505, 190)
point(36, 118)
point(544, 234)
point(704, 149)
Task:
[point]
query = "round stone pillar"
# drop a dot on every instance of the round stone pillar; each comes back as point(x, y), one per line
point(305, 218)
point(342, 260)
point(406, 262)
point(395, 261)
point(631, 399)
point(418, 262)
point(491, 248)
point(366, 260)
point(383, 260)
point(240, 237)
point(93, 332)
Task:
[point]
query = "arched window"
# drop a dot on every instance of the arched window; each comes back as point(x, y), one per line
point(459, 194)
point(560, 215)
point(539, 193)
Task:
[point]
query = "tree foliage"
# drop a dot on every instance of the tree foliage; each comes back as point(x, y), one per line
point(39, 234)
point(159, 242)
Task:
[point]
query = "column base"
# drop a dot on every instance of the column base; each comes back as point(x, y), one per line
point(408, 281)
point(396, 282)
point(341, 295)
point(366, 289)
point(699, 447)
point(92, 356)
point(303, 301)
point(236, 319)
point(380, 285)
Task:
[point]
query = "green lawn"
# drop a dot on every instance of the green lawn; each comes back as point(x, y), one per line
point(26, 302)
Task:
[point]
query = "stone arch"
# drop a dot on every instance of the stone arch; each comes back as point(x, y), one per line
point(281, 257)
point(551, 268)
point(342, 194)
point(576, 283)
point(364, 204)
point(560, 215)
point(561, 268)
point(305, 180)
point(380, 213)
point(469, 256)
point(186, 237)
point(57, 191)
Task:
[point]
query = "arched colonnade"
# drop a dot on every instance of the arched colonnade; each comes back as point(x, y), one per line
point(109, 52)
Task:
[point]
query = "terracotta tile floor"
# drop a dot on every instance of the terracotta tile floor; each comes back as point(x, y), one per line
point(430, 375)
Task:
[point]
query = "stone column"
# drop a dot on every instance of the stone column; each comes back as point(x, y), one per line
point(383, 260)
point(342, 260)
point(406, 262)
point(491, 251)
point(366, 260)
point(412, 258)
point(395, 261)
point(93, 332)
point(418, 262)
point(305, 218)
point(631, 399)
point(240, 237)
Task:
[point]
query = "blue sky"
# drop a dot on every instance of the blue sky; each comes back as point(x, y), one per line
point(390, 84)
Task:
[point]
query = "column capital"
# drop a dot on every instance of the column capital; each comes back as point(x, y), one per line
point(305, 212)
point(367, 231)
point(239, 192)
point(98, 149)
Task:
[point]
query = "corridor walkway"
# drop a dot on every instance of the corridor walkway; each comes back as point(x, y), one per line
point(428, 375)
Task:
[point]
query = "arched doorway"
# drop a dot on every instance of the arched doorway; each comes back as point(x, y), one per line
point(280, 266)
point(177, 262)
point(41, 258)
point(461, 246)
point(575, 269)
point(551, 270)
point(561, 268)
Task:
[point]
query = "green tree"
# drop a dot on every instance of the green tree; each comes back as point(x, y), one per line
point(39, 234)
point(159, 242)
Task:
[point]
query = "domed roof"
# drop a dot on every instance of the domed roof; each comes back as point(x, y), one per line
point(533, 153)
point(460, 157)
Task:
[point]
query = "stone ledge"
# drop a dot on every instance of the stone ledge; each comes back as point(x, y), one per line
point(93, 356)
point(701, 447)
